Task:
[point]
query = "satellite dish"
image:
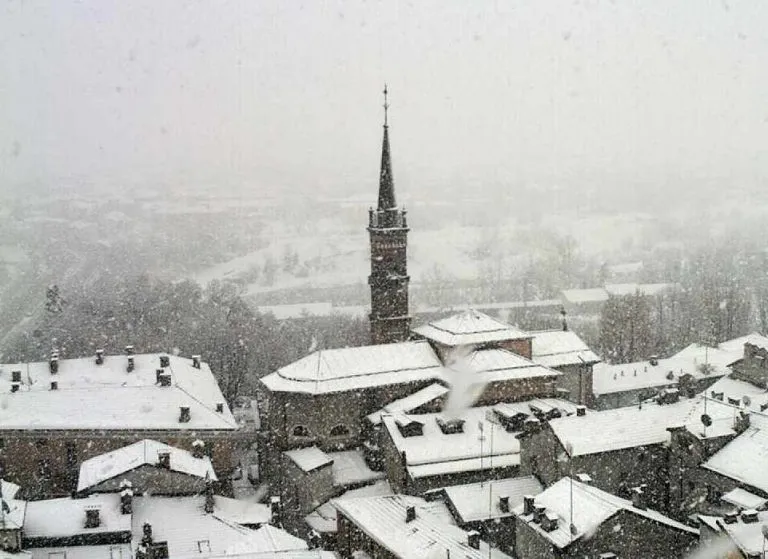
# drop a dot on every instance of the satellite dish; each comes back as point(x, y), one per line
point(706, 420)
point(747, 401)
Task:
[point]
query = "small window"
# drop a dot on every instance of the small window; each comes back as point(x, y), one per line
point(340, 431)
point(300, 431)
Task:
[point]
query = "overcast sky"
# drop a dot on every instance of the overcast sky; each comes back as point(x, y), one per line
point(287, 94)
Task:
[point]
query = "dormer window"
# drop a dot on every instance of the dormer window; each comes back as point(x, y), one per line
point(340, 431)
point(451, 426)
point(300, 431)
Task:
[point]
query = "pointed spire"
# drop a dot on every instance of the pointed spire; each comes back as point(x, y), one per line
point(386, 181)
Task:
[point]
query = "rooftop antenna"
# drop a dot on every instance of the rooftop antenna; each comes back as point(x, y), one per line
point(386, 105)
point(569, 451)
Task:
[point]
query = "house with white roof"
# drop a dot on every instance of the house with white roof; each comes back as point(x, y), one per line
point(738, 533)
point(12, 514)
point(618, 449)
point(150, 467)
point(58, 413)
point(488, 506)
point(404, 527)
point(429, 451)
point(691, 370)
point(571, 519)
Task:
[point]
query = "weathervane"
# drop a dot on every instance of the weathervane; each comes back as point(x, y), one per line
point(386, 105)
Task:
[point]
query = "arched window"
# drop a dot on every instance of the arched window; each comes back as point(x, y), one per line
point(300, 431)
point(340, 431)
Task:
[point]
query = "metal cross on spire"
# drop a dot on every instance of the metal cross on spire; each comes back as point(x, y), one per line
point(386, 105)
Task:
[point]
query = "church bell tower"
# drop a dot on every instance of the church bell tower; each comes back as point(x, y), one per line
point(388, 230)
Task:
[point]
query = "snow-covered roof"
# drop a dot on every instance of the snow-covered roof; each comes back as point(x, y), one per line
point(339, 370)
point(481, 501)
point(383, 520)
point(748, 536)
point(66, 516)
point(605, 431)
point(696, 360)
point(410, 402)
point(621, 289)
point(579, 296)
point(241, 512)
point(349, 468)
point(14, 515)
point(736, 345)
point(323, 518)
point(435, 447)
point(497, 365)
point(189, 531)
point(744, 499)
point(743, 459)
point(463, 465)
point(112, 464)
point(470, 327)
point(557, 348)
point(591, 508)
point(309, 458)
point(107, 396)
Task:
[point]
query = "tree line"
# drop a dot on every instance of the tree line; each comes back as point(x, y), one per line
point(240, 344)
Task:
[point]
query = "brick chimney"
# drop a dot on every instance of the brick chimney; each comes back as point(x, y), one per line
point(54, 385)
point(164, 459)
point(209, 501)
point(15, 386)
point(638, 498)
point(220, 407)
point(53, 364)
point(410, 514)
point(198, 448)
point(99, 356)
point(549, 521)
point(126, 501)
point(528, 504)
point(131, 364)
point(504, 503)
point(473, 539)
point(581, 411)
point(164, 379)
point(129, 351)
point(538, 513)
point(165, 361)
point(275, 509)
point(196, 361)
point(147, 537)
point(184, 414)
point(15, 376)
point(92, 518)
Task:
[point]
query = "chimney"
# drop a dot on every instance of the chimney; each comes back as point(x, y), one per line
point(129, 351)
point(54, 365)
point(16, 376)
point(581, 411)
point(473, 539)
point(99, 356)
point(92, 519)
point(549, 521)
point(538, 513)
point(184, 415)
point(749, 516)
point(147, 538)
point(196, 360)
point(654, 360)
point(565, 319)
point(126, 501)
point(15, 386)
point(54, 385)
point(528, 504)
point(198, 447)
point(164, 459)
point(220, 407)
point(275, 507)
point(638, 498)
point(315, 539)
point(731, 517)
point(165, 361)
point(164, 379)
point(504, 503)
point(209, 501)
point(531, 425)
point(131, 364)
point(410, 514)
